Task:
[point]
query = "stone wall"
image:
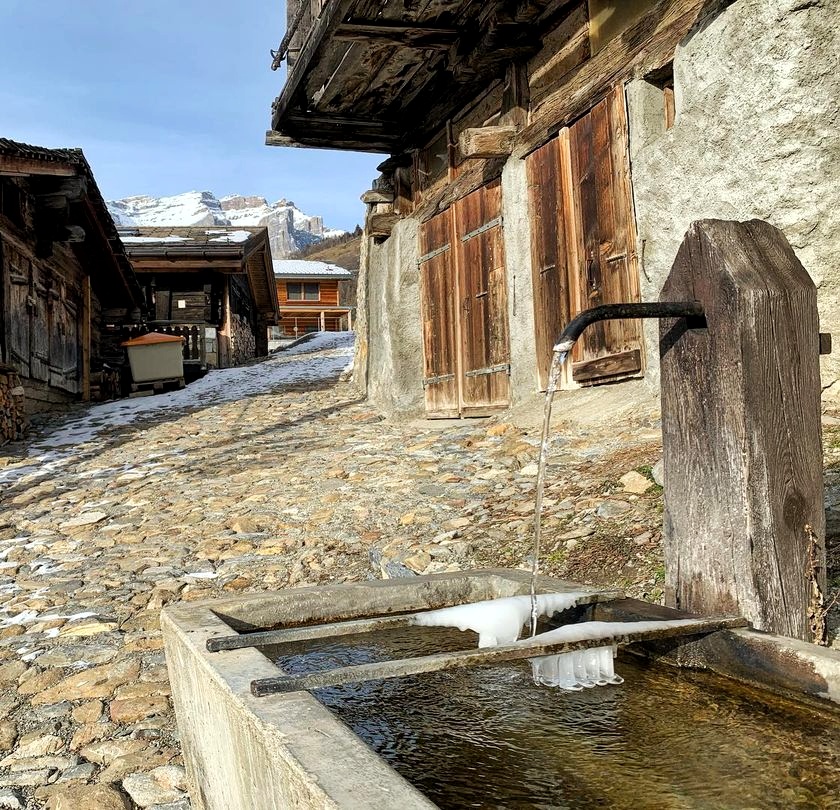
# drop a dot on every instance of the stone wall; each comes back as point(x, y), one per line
point(243, 345)
point(12, 412)
point(394, 333)
point(757, 135)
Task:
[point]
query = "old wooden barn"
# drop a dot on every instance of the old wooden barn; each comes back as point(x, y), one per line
point(545, 156)
point(214, 286)
point(67, 286)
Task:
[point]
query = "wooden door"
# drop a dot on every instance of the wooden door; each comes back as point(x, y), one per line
point(20, 303)
point(437, 303)
point(64, 340)
point(482, 300)
point(587, 256)
point(466, 346)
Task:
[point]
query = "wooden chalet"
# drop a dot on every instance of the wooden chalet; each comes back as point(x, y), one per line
point(546, 156)
point(214, 286)
point(308, 293)
point(67, 285)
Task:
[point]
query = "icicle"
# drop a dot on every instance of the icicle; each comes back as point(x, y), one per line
point(574, 671)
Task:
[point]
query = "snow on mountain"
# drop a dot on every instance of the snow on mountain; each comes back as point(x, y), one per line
point(289, 229)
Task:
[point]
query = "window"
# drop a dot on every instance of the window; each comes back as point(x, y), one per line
point(303, 291)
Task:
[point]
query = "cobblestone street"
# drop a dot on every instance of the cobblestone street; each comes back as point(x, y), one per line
point(277, 476)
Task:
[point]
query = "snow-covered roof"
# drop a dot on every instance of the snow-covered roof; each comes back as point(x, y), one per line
point(297, 268)
point(193, 236)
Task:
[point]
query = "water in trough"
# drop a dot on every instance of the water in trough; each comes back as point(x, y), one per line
point(485, 738)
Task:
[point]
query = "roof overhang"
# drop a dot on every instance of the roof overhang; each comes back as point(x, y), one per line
point(387, 84)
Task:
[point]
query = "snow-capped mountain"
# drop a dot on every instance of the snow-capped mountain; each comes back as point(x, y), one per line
point(289, 229)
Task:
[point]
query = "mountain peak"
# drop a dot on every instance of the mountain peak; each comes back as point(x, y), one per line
point(289, 229)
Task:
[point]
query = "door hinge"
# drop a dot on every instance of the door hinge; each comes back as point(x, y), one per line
point(478, 372)
point(432, 254)
point(481, 229)
point(439, 379)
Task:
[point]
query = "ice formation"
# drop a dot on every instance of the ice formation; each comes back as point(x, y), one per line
point(498, 621)
point(575, 670)
point(586, 668)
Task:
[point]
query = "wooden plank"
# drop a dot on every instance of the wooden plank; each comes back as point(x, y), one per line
point(352, 627)
point(405, 35)
point(486, 142)
point(609, 366)
point(741, 429)
point(548, 252)
point(439, 317)
point(24, 167)
point(473, 177)
point(486, 656)
point(646, 46)
point(482, 300)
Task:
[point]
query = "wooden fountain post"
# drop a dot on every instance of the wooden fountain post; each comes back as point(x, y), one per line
point(741, 430)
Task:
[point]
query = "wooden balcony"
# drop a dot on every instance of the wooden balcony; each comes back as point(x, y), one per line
point(385, 76)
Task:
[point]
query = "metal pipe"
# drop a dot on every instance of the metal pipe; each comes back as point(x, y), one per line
point(609, 312)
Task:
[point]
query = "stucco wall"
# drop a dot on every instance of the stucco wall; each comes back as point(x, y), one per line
point(757, 134)
point(394, 335)
point(520, 290)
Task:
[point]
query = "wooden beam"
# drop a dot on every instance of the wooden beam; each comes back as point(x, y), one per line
point(376, 195)
point(486, 656)
point(332, 11)
point(375, 624)
point(486, 142)
point(648, 45)
point(23, 167)
point(327, 141)
point(741, 430)
point(399, 34)
point(476, 174)
point(381, 225)
point(629, 362)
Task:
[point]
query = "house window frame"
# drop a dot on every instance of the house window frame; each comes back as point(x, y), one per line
point(304, 291)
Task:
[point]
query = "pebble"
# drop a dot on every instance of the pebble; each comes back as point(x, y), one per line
point(146, 789)
point(635, 483)
point(88, 797)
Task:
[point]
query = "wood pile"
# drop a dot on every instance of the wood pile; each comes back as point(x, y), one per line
point(13, 423)
point(105, 385)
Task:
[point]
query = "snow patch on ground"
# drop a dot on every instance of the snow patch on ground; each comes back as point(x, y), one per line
point(324, 357)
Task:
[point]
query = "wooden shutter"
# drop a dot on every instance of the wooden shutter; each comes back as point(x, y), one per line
point(549, 264)
point(20, 304)
point(583, 242)
point(39, 339)
point(607, 272)
point(482, 297)
point(64, 341)
point(437, 300)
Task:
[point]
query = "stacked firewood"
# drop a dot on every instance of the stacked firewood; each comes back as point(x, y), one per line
point(13, 422)
point(105, 384)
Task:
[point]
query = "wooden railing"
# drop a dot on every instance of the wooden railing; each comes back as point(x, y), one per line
point(193, 334)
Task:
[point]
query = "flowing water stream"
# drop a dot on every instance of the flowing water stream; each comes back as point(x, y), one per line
point(561, 352)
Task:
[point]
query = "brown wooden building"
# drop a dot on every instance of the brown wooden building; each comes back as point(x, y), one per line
point(212, 285)
point(67, 286)
point(309, 297)
point(507, 203)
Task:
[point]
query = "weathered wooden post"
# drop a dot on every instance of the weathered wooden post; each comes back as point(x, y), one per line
point(741, 429)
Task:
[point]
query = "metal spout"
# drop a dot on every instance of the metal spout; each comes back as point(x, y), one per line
point(608, 312)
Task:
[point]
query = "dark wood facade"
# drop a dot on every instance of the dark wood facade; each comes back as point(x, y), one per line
point(213, 286)
point(67, 286)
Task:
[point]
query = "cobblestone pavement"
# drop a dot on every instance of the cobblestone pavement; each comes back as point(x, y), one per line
point(273, 477)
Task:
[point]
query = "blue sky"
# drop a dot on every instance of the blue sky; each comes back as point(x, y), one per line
point(166, 96)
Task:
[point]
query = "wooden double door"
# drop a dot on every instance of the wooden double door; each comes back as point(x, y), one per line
point(42, 332)
point(463, 292)
point(583, 242)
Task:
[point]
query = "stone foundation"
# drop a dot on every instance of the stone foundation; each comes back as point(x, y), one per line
point(13, 423)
